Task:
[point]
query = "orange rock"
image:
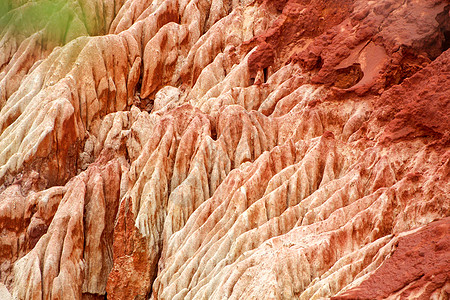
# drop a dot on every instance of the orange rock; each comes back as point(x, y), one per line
point(225, 149)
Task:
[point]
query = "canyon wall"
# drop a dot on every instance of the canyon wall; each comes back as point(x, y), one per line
point(215, 149)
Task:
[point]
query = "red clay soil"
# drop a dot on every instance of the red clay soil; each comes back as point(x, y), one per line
point(420, 106)
point(420, 260)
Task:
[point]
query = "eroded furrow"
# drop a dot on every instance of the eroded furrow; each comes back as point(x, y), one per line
point(209, 149)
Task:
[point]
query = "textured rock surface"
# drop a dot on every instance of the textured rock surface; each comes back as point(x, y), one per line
point(218, 149)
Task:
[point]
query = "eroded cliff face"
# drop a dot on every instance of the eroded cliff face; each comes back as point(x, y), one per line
point(216, 149)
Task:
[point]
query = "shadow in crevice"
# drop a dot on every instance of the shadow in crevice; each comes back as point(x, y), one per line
point(412, 62)
point(444, 27)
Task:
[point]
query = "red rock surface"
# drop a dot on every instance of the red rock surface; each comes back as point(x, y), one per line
point(418, 266)
point(225, 149)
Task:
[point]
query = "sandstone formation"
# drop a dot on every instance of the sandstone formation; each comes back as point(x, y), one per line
point(212, 149)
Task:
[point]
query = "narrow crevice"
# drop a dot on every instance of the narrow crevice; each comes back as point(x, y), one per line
point(213, 131)
point(265, 71)
point(444, 27)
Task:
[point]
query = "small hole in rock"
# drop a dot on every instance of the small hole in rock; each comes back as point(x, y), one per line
point(265, 74)
point(319, 63)
point(213, 132)
point(349, 76)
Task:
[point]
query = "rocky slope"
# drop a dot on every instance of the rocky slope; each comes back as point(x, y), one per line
point(212, 149)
